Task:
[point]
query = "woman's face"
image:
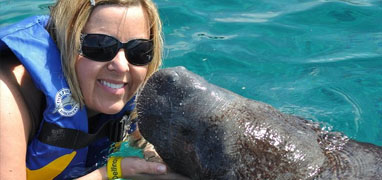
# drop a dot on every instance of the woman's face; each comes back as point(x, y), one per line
point(107, 86)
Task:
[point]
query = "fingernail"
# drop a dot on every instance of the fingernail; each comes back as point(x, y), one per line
point(161, 168)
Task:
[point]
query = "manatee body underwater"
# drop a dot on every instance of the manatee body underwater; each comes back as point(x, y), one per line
point(206, 132)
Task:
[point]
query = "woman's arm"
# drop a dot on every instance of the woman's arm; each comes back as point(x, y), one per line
point(136, 168)
point(131, 167)
point(15, 120)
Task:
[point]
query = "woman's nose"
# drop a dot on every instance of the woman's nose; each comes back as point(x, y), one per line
point(119, 62)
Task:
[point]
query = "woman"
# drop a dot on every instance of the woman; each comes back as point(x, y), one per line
point(68, 83)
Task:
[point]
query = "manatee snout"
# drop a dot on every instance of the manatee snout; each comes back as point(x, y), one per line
point(160, 101)
point(174, 104)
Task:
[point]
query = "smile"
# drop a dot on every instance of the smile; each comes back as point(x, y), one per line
point(112, 85)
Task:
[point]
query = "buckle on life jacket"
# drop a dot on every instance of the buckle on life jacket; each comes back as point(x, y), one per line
point(119, 129)
point(115, 130)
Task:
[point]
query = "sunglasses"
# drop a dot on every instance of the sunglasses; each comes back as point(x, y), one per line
point(103, 48)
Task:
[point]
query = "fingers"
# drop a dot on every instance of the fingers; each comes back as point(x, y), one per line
point(133, 166)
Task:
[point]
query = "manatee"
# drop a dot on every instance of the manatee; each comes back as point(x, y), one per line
point(203, 131)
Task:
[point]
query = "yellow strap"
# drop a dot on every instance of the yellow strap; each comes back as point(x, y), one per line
point(52, 169)
point(113, 167)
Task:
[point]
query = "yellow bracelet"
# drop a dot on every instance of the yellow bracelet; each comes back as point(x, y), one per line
point(113, 167)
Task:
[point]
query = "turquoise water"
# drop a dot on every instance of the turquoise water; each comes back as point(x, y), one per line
point(321, 60)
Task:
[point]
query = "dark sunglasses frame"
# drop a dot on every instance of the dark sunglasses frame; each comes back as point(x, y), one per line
point(138, 52)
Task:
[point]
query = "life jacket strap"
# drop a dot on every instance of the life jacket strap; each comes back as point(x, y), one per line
point(55, 135)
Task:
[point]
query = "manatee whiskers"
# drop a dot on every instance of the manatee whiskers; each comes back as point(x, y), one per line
point(206, 132)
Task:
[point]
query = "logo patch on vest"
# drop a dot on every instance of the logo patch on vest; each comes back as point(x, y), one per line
point(65, 104)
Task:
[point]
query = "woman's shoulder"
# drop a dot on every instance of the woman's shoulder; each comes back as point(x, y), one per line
point(12, 71)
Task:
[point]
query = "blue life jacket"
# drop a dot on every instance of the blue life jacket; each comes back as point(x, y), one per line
point(32, 45)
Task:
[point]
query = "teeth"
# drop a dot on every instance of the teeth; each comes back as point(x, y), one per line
point(111, 85)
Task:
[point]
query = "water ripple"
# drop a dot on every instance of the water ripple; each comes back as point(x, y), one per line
point(357, 110)
point(343, 57)
point(267, 16)
point(199, 35)
point(358, 2)
point(249, 17)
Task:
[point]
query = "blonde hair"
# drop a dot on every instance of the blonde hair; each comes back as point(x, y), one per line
point(69, 17)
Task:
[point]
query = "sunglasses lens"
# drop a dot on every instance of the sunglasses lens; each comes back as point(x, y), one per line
point(139, 52)
point(99, 47)
point(102, 48)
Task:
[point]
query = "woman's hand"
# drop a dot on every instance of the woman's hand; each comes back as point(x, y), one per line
point(151, 166)
point(132, 166)
point(137, 169)
point(140, 169)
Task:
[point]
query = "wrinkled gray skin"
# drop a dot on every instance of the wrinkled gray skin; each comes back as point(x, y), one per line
point(205, 132)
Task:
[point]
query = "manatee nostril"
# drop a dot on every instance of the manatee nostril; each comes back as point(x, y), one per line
point(172, 77)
